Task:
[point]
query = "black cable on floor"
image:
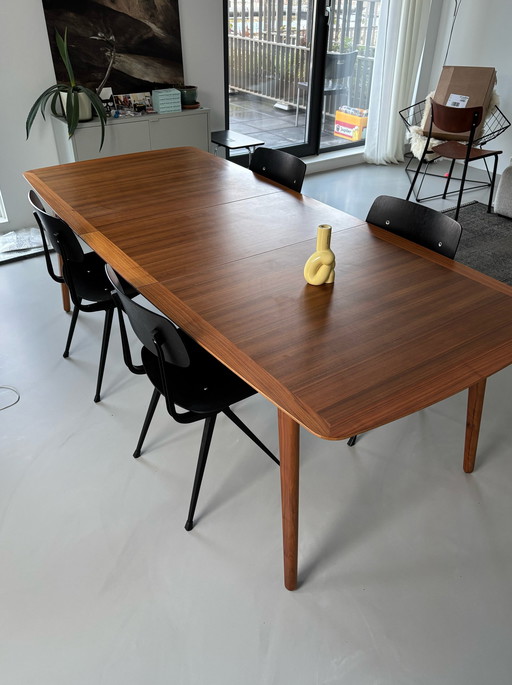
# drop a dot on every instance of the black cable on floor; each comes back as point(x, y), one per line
point(8, 387)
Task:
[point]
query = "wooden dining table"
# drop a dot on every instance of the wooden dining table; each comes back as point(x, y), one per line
point(221, 251)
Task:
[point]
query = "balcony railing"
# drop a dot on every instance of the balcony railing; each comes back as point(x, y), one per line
point(268, 53)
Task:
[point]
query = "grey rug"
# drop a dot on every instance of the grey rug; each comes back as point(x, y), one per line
point(486, 242)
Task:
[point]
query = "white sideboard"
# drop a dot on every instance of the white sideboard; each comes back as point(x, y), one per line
point(133, 134)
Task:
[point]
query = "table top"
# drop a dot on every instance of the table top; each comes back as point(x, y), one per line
point(221, 251)
point(233, 140)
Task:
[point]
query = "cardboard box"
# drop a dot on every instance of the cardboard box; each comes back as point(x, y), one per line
point(464, 87)
point(351, 123)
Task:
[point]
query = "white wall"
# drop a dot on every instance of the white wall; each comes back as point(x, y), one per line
point(27, 69)
point(202, 33)
point(480, 39)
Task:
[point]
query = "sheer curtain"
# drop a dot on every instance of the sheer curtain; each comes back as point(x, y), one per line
point(402, 30)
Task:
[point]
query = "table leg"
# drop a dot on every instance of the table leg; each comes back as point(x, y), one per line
point(65, 291)
point(476, 395)
point(289, 456)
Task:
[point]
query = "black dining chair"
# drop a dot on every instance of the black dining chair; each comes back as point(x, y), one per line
point(195, 385)
point(84, 275)
point(419, 224)
point(279, 166)
point(463, 122)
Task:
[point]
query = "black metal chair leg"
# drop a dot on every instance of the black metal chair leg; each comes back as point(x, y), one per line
point(209, 425)
point(461, 191)
point(417, 172)
point(107, 326)
point(352, 441)
point(448, 179)
point(72, 325)
point(238, 422)
point(493, 180)
point(149, 416)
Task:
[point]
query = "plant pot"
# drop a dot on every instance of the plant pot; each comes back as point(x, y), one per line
point(84, 106)
point(188, 95)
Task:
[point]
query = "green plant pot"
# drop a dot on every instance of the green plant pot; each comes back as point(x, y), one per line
point(188, 95)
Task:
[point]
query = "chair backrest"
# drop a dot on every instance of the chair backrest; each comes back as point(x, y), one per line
point(58, 233)
point(418, 223)
point(279, 166)
point(454, 119)
point(158, 334)
point(339, 65)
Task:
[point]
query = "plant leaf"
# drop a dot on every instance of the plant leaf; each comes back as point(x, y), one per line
point(98, 107)
point(62, 46)
point(40, 103)
point(53, 106)
point(72, 111)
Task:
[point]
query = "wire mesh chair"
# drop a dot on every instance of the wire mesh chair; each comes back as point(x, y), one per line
point(494, 125)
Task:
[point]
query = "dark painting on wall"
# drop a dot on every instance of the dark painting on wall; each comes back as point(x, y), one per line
point(145, 35)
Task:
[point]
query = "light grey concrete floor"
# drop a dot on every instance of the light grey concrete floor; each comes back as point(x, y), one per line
point(354, 188)
point(405, 561)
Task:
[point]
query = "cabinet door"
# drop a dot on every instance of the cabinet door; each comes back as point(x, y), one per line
point(120, 139)
point(185, 130)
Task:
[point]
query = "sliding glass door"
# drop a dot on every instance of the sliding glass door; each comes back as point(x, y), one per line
point(298, 72)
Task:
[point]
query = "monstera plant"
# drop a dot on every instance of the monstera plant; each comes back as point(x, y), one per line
point(67, 99)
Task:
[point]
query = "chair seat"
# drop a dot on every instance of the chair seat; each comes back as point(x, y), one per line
point(454, 150)
point(205, 387)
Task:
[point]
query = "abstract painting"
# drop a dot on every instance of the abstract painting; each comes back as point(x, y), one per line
point(139, 39)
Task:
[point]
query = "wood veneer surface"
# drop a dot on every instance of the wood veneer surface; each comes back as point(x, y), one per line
point(221, 252)
point(395, 333)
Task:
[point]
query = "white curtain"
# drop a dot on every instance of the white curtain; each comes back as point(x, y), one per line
point(400, 42)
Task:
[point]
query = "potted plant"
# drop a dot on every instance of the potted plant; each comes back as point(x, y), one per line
point(68, 99)
point(188, 96)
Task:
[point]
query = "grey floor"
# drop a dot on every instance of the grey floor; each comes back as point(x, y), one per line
point(405, 561)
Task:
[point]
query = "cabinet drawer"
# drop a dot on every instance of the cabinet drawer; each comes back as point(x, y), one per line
point(189, 130)
point(124, 138)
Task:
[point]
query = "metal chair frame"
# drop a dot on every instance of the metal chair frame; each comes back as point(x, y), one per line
point(494, 125)
point(84, 275)
point(195, 385)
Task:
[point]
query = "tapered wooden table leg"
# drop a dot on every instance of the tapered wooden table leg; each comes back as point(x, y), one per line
point(476, 395)
point(289, 456)
point(65, 291)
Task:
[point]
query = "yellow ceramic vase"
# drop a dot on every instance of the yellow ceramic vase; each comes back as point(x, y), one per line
point(319, 268)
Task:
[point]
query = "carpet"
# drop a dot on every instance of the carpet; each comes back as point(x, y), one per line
point(486, 242)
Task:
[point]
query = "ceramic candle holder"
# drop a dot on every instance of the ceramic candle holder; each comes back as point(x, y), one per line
point(319, 268)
